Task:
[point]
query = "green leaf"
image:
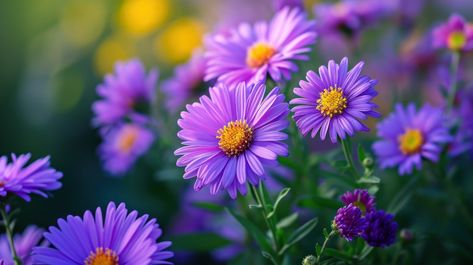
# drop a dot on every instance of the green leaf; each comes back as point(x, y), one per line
point(318, 249)
point(283, 193)
point(369, 180)
point(317, 202)
point(200, 242)
point(287, 221)
point(403, 196)
point(208, 206)
point(253, 230)
point(299, 234)
point(361, 153)
point(269, 256)
point(335, 253)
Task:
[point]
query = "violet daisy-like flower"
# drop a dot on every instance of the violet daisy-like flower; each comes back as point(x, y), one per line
point(230, 136)
point(334, 101)
point(123, 145)
point(349, 222)
point(24, 244)
point(380, 229)
point(361, 199)
point(408, 136)
point(251, 52)
point(122, 91)
point(118, 238)
point(18, 179)
point(186, 80)
point(456, 34)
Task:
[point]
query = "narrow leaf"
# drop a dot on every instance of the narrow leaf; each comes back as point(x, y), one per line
point(299, 234)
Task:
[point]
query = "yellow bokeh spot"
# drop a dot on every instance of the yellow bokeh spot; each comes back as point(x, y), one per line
point(109, 51)
point(140, 17)
point(179, 40)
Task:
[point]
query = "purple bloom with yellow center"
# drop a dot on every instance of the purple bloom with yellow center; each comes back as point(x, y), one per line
point(123, 91)
point(361, 199)
point(230, 136)
point(123, 145)
point(349, 222)
point(18, 179)
point(408, 136)
point(24, 244)
point(456, 34)
point(119, 238)
point(185, 82)
point(381, 229)
point(251, 52)
point(334, 101)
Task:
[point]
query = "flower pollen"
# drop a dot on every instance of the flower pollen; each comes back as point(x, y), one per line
point(411, 141)
point(235, 137)
point(102, 257)
point(259, 54)
point(331, 102)
point(456, 40)
point(127, 139)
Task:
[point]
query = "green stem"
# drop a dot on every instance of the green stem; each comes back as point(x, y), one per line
point(324, 245)
point(9, 232)
point(346, 146)
point(453, 82)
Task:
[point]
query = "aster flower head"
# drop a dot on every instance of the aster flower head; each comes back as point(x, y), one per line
point(118, 238)
point(123, 145)
point(18, 179)
point(123, 91)
point(408, 136)
point(186, 80)
point(456, 34)
point(349, 222)
point(230, 136)
point(334, 101)
point(24, 244)
point(361, 199)
point(380, 229)
point(250, 52)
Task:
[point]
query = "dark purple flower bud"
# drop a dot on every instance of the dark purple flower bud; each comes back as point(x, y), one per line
point(349, 222)
point(380, 229)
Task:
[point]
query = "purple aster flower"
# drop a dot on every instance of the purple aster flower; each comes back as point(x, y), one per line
point(21, 180)
point(123, 145)
point(380, 229)
point(409, 135)
point(463, 139)
point(230, 136)
point(186, 80)
point(349, 222)
point(250, 52)
point(122, 91)
point(455, 34)
point(361, 199)
point(24, 244)
point(334, 101)
point(281, 4)
point(118, 238)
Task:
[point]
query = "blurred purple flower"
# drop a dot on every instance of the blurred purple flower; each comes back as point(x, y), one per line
point(463, 139)
point(123, 145)
point(120, 236)
point(229, 137)
point(281, 4)
point(334, 101)
point(37, 178)
point(186, 80)
point(381, 229)
point(409, 135)
point(251, 52)
point(361, 199)
point(456, 34)
point(24, 244)
point(349, 222)
point(122, 91)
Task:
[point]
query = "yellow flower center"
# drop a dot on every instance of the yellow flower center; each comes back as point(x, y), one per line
point(259, 54)
point(411, 141)
point(127, 139)
point(235, 137)
point(456, 40)
point(331, 102)
point(102, 257)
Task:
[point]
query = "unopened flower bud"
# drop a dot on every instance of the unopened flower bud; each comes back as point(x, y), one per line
point(309, 260)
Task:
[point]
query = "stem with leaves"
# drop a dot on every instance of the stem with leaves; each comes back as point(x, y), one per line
point(9, 232)
point(324, 245)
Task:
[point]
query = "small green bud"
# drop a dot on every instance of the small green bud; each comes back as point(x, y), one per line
point(368, 162)
point(309, 260)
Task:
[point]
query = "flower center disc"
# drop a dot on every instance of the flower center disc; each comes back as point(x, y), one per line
point(102, 257)
point(127, 139)
point(411, 141)
point(259, 54)
point(456, 40)
point(331, 102)
point(235, 137)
